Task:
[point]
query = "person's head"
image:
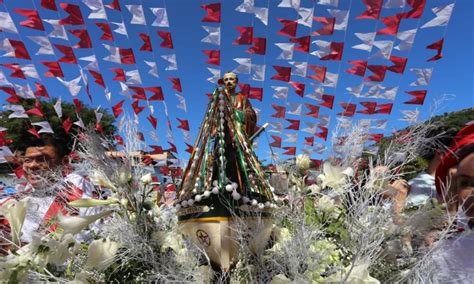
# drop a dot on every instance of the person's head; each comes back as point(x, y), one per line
point(465, 183)
point(42, 157)
point(230, 80)
point(459, 160)
point(438, 141)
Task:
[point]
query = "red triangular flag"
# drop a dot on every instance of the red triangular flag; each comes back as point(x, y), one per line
point(213, 13)
point(290, 151)
point(84, 39)
point(280, 111)
point(117, 109)
point(20, 49)
point(176, 84)
point(256, 93)
point(289, 27)
point(328, 101)
point(152, 120)
point(359, 67)
point(157, 93)
point(419, 97)
point(399, 64)
point(417, 9)
point(327, 29)
point(146, 42)
point(119, 74)
point(136, 108)
point(284, 73)
point(67, 125)
point(438, 46)
point(320, 73)
point(259, 46)
point(246, 35)
point(75, 15)
point(167, 40)
point(299, 88)
point(392, 23)
point(276, 141)
point(126, 56)
point(373, 8)
point(349, 109)
point(34, 20)
point(54, 69)
point(68, 52)
point(294, 124)
point(107, 32)
point(183, 124)
point(303, 42)
point(214, 57)
point(336, 51)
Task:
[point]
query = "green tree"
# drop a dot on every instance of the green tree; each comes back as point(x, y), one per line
point(18, 127)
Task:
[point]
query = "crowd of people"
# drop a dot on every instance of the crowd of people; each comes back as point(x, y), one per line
point(50, 183)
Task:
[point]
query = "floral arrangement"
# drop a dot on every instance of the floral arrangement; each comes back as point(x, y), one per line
point(338, 224)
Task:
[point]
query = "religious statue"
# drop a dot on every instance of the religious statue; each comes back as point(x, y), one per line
point(223, 183)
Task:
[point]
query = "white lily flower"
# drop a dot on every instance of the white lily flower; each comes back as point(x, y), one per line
point(60, 250)
point(75, 224)
point(146, 179)
point(99, 178)
point(15, 212)
point(303, 162)
point(358, 274)
point(101, 254)
point(90, 202)
point(334, 177)
point(326, 204)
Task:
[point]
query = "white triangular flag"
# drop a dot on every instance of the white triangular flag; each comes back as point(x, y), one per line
point(305, 17)
point(161, 19)
point(98, 114)
point(295, 4)
point(58, 30)
point(389, 4)
point(443, 14)
point(423, 76)
point(356, 90)
point(7, 23)
point(390, 93)
point(379, 123)
point(261, 13)
point(24, 91)
point(258, 72)
point(124, 90)
point(79, 122)
point(73, 85)
point(324, 120)
point(93, 63)
point(342, 19)
point(114, 54)
point(97, 9)
point(276, 126)
point(3, 79)
point(367, 39)
point(334, 3)
point(5, 152)
point(7, 47)
point(287, 50)
point(172, 64)
point(121, 29)
point(407, 38)
point(385, 49)
point(153, 68)
point(312, 127)
point(344, 122)
point(182, 103)
point(294, 108)
point(281, 93)
point(58, 108)
point(323, 48)
point(214, 35)
point(138, 17)
point(246, 6)
point(291, 138)
point(45, 127)
point(331, 80)
point(133, 77)
point(216, 75)
point(29, 70)
point(299, 68)
point(45, 46)
point(244, 65)
point(108, 95)
point(410, 116)
point(18, 111)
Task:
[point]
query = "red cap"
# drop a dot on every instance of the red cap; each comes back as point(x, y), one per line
point(464, 138)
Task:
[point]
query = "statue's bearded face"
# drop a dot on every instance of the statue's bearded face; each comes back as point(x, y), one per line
point(230, 81)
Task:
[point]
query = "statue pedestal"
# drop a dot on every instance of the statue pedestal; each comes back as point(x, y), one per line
point(219, 237)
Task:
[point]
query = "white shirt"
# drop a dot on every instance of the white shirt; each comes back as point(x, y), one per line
point(38, 206)
point(422, 188)
point(454, 262)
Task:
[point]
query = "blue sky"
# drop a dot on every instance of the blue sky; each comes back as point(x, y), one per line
point(453, 74)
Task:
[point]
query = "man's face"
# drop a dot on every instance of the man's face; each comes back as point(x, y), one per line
point(38, 163)
point(230, 81)
point(465, 184)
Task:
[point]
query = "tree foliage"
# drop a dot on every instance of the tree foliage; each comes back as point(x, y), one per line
point(17, 128)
